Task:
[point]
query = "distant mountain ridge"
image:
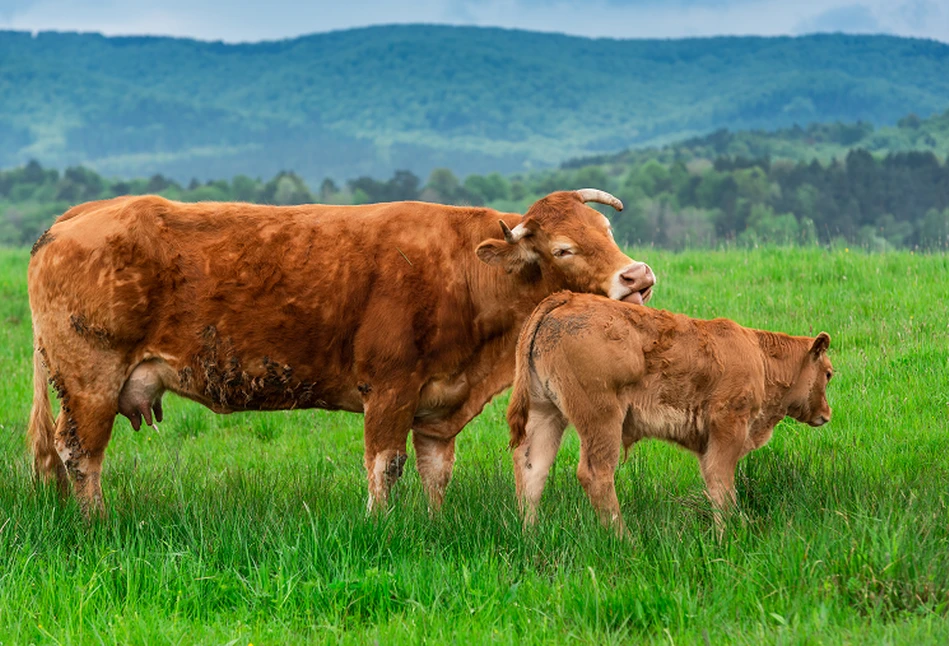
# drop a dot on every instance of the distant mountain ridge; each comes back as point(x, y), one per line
point(368, 101)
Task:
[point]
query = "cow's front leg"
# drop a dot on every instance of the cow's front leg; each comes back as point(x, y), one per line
point(389, 414)
point(434, 459)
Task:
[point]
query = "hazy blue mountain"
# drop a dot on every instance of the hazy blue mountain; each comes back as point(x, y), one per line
point(367, 101)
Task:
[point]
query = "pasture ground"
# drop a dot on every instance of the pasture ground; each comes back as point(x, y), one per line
point(251, 528)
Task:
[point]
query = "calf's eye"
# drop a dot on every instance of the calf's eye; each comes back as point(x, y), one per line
point(829, 375)
point(562, 252)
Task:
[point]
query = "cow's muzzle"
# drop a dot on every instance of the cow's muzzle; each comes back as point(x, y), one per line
point(634, 283)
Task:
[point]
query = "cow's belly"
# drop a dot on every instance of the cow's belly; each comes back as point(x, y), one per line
point(232, 386)
point(227, 389)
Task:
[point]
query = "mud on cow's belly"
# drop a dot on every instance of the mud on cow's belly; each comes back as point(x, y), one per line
point(223, 389)
point(232, 388)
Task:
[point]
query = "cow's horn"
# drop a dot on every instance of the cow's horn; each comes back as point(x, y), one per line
point(511, 237)
point(508, 236)
point(602, 197)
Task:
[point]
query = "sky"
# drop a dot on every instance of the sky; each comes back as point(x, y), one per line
point(254, 20)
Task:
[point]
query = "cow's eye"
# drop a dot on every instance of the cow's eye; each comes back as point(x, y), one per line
point(562, 252)
point(829, 375)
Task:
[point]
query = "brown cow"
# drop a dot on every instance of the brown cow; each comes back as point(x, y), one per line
point(407, 312)
point(622, 372)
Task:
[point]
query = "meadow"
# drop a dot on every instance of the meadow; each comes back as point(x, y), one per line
point(251, 528)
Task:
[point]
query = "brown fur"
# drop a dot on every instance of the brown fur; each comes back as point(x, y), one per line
point(408, 312)
point(622, 372)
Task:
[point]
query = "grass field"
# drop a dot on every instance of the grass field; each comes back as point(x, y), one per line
point(251, 528)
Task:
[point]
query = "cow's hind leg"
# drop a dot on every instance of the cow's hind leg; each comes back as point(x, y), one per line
point(83, 430)
point(434, 459)
point(88, 393)
point(534, 456)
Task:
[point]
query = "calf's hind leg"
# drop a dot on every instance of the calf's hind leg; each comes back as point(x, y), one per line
point(534, 456)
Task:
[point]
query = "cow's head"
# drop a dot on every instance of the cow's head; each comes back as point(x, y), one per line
point(808, 396)
point(563, 238)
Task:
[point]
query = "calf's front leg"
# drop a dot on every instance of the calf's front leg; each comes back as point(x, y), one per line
point(718, 464)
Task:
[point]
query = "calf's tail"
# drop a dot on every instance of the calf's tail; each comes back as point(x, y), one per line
point(518, 409)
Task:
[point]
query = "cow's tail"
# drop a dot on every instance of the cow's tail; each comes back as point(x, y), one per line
point(518, 409)
point(42, 427)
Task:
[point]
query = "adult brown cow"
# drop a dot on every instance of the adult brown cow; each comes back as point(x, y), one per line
point(621, 372)
point(408, 312)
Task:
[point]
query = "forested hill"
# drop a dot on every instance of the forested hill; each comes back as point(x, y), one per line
point(821, 141)
point(368, 101)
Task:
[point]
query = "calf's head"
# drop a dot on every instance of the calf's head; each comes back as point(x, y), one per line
point(808, 396)
point(572, 243)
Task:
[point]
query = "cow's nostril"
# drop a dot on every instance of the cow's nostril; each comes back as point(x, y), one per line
point(634, 273)
point(639, 276)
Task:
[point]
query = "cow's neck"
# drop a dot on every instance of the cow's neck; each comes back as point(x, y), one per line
point(503, 301)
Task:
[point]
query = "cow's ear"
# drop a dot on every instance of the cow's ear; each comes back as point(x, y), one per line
point(514, 251)
point(493, 252)
point(820, 345)
point(505, 254)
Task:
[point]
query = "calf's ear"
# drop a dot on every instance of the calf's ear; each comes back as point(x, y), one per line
point(821, 343)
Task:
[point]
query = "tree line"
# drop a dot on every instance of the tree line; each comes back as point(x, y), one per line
point(897, 200)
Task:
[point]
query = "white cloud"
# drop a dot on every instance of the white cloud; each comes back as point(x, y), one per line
point(851, 18)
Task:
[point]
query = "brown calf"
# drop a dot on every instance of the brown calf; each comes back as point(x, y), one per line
point(622, 372)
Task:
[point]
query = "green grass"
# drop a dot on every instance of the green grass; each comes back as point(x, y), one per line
point(251, 528)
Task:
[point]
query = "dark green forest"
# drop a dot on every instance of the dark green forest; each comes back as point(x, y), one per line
point(367, 102)
point(675, 198)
